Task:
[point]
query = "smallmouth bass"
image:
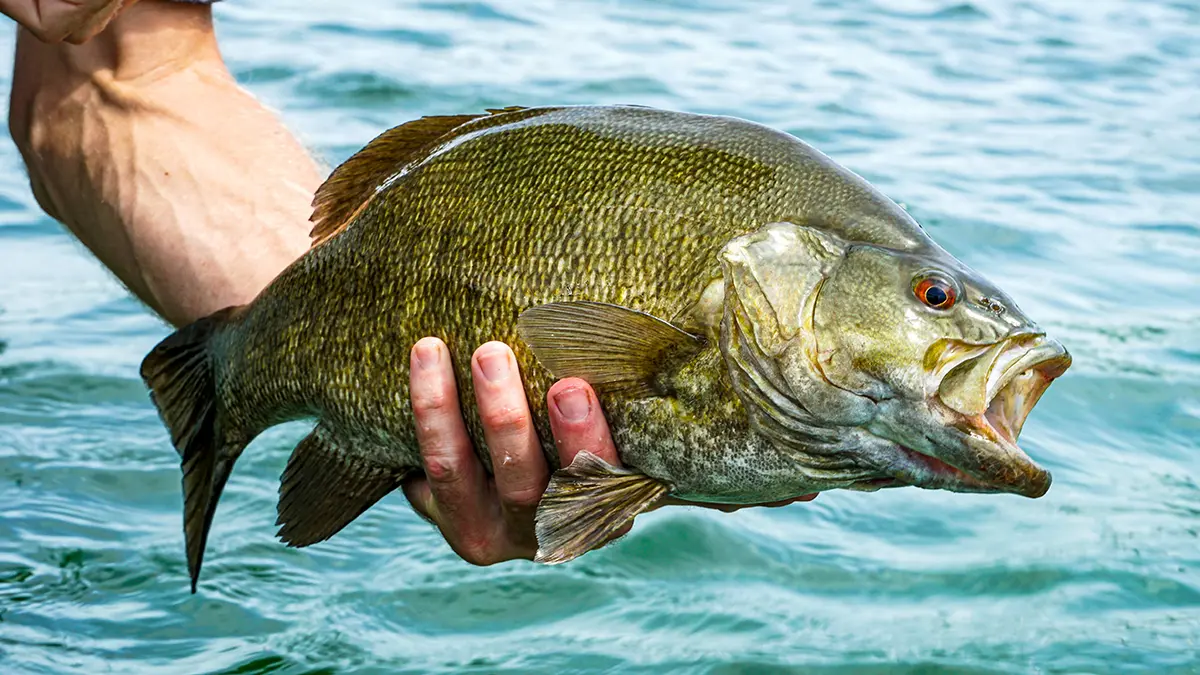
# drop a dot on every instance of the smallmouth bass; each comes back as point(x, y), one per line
point(759, 322)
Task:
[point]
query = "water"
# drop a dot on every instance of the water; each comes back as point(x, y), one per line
point(1052, 145)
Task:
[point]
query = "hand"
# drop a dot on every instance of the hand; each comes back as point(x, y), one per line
point(489, 519)
point(74, 21)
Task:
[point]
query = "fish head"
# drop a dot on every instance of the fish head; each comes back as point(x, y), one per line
point(952, 364)
point(897, 367)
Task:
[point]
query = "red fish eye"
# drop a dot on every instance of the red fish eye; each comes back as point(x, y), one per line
point(935, 292)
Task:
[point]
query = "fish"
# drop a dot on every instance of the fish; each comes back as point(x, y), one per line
point(759, 322)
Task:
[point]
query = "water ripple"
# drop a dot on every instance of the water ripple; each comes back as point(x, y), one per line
point(1052, 146)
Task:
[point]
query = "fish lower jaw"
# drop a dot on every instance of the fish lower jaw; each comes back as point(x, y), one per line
point(917, 469)
point(926, 471)
point(996, 469)
point(1000, 467)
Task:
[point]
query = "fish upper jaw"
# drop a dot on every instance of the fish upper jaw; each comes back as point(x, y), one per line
point(1017, 383)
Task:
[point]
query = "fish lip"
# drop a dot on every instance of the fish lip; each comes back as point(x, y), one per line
point(991, 460)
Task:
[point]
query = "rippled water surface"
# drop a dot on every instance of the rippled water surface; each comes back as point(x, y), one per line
point(1053, 145)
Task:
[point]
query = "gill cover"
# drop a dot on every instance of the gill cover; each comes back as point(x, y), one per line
point(772, 278)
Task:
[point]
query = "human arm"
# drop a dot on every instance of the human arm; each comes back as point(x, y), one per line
point(141, 142)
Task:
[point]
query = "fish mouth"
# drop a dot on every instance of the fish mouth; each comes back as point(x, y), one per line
point(984, 400)
point(1019, 386)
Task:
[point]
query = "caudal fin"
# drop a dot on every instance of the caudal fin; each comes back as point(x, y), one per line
point(179, 373)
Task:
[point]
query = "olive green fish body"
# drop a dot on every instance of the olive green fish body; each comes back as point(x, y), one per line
point(692, 250)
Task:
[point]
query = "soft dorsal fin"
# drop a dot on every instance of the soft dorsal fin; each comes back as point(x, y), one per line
point(352, 184)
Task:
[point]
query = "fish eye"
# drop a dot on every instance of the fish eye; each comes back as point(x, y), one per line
point(935, 292)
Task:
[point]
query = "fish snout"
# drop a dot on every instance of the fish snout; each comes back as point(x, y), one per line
point(984, 400)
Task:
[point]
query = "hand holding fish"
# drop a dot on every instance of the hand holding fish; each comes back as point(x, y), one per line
point(490, 519)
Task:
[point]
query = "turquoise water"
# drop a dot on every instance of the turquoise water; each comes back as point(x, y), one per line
point(1052, 145)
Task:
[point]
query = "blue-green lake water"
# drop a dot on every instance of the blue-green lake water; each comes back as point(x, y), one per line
point(1053, 145)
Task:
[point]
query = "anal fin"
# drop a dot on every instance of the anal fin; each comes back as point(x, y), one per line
point(587, 503)
point(325, 487)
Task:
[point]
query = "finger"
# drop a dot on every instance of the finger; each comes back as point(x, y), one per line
point(517, 461)
point(578, 422)
point(457, 483)
point(416, 490)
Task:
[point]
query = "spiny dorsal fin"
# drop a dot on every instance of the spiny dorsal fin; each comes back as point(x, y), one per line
point(614, 348)
point(352, 184)
point(325, 487)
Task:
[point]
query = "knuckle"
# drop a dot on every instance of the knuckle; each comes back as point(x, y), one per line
point(523, 499)
point(478, 551)
point(443, 469)
point(432, 401)
point(509, 421)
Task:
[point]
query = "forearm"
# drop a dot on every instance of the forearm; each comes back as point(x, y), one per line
point(143, 145)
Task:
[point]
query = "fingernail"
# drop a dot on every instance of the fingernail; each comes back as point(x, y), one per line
point(573, 404)
point(428, 354)
point(495, 365)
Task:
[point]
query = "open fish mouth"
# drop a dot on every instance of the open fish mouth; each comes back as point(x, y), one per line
point(985, 397)
point(1019, 386)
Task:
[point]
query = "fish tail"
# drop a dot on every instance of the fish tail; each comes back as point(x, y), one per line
point(181, 376)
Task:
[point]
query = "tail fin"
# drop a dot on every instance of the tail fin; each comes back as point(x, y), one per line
point(179, 373)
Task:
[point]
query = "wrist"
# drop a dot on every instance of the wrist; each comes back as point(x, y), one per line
point(144, 146)
point(148, 38)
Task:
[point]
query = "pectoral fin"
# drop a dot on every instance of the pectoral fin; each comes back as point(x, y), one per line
point(614, 348)
point(586, 504)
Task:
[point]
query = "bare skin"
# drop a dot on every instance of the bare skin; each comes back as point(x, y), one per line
point(73, 21)
point(140, 141)
point(194, 195)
